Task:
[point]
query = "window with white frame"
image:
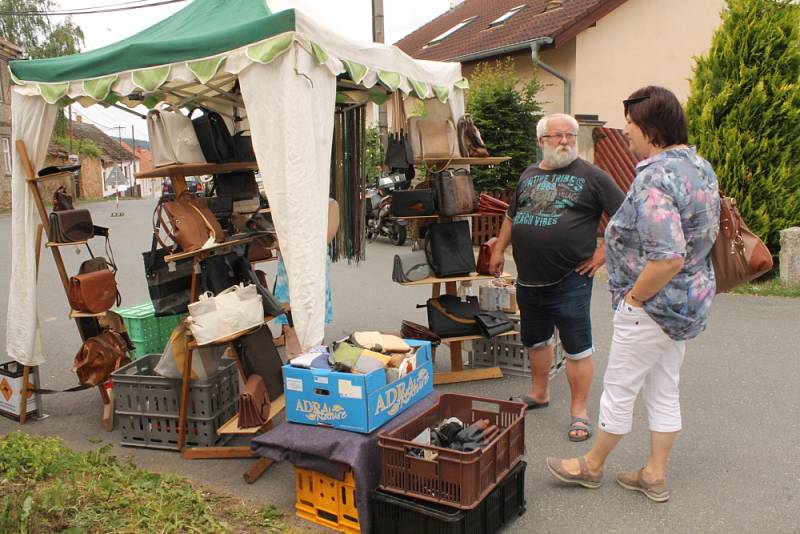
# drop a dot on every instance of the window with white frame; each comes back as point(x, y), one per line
point(441, 37)
point(6, 155)
point(507, 15)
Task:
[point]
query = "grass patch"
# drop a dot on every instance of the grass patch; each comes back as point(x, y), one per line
point(769, 287)
point(47, 487)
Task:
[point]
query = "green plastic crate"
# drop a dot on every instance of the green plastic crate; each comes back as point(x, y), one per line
point(148, 333)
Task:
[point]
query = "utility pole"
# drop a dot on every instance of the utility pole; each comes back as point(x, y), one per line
point(378, 37)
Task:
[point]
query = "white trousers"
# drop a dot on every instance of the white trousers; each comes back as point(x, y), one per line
point(642, 357)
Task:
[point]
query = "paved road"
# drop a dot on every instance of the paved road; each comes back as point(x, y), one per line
point(735, 468)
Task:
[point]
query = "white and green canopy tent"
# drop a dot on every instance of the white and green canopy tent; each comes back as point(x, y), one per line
point(287, 67)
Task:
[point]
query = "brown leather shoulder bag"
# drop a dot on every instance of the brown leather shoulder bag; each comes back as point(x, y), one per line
point(92, 292)
point(191, 222)
point(99, 356)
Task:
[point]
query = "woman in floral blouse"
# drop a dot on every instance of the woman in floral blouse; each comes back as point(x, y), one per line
point(662, 285)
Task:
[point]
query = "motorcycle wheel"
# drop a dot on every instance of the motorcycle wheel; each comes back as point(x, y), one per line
point(398, 235)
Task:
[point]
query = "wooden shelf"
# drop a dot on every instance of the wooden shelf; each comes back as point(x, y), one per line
point(51, 244)
point(463, 161)
point(75, 314)
point(213, 248)
point(232, 425)
point(193, 169)
point(471, 276)
point(469, 338)
point(466, 375)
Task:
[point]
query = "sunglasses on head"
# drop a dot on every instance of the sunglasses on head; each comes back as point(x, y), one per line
point(635, 100)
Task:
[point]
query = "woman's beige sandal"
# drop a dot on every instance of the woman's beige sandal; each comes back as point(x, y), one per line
point(656, 491)
point(584, 478)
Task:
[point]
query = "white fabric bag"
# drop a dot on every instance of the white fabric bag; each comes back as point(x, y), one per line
point(232, 311)
point(205, 360)
point(172, 138)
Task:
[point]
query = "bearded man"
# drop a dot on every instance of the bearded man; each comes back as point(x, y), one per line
point(551, 223)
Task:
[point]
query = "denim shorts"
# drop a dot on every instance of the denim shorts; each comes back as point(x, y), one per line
point(565, 306)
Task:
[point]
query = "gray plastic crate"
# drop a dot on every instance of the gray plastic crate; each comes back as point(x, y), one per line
point(147, 405)
point(508, 354)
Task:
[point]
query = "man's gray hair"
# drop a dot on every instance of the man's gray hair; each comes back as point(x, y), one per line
point(541, 126)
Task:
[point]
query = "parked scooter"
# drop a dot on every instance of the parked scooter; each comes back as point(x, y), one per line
point(379, 208)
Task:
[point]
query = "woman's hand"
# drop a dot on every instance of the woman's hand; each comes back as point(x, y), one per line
point(630, 301)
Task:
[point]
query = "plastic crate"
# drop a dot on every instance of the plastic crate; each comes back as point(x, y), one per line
point(453, 478)
point(508, 354)
point(326, 501)
point(147, 405)
point(147, 332)
point(394, 514)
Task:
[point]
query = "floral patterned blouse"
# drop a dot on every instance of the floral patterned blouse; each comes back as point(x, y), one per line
point(671, 211)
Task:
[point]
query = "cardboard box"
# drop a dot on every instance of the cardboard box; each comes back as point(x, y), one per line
point(10, 389)
point(498, 295)
point(355, 402)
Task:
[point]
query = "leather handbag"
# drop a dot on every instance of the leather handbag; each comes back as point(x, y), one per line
point(413, 203)
point(222, 271)
point(449, 316)
point(169, 285)
point(259, 356)
point(485, 257)
point(92, 292)
point(738, 255)
point(233, 311)
point(205, 360)
point(62, 200)
point(411, 267)
point(191, 223)
point(99, 356)
point(397, 152)
point(493, 323)
point(449, 249)
point(489, 205)
point(69, 226)
point(172, 138)
point(412, 330)
point(433, 138)
point(222, 208)
point(215, 139)
point(236, 185)
point(470, 141)
point(253, 403)
point(455, 192)
point(243, 147)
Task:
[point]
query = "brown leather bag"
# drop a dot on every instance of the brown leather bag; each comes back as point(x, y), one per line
point(470, 141)
point(411, 330)
point(455, 192)
point(93, 292)
point(738, 255)
point(485, 257)
point(253, 403)
point(191, 222)
point(100, 356)
point(68, 226)
point(62, 200)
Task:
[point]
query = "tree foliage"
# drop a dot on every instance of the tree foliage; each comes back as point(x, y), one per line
point(744, 112)
point(505, 111)
point(36, 34)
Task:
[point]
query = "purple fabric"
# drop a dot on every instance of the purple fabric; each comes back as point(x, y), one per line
point(332, 452)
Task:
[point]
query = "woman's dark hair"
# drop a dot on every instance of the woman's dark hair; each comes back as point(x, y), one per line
point(658, 113)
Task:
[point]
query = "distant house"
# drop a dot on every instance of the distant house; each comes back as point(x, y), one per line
point(115, 168)
point(144, 162)
point(8, 51)
point(590, 54)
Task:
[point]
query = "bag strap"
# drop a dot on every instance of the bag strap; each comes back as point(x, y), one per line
point(455, 318)
point(43, 391)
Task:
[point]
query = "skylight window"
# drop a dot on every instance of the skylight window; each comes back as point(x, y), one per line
point(451, 31)
point(507, 15)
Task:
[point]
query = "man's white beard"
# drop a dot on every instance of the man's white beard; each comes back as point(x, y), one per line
point(560, 157)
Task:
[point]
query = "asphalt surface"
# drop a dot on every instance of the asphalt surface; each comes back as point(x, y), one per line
point(735, 467)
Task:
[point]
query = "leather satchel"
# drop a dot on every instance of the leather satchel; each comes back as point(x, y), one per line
point(411, 267)
point(93, 292)
point(485, 257)
point(215, 139)
point(253, 403)
point(191, 223)
point(413, 203)
point(455, 192)
point(62, 200)
point(493, 323)
point(412, 330)
point(236, 185)
point(99, 356)
point(470, 141)
point(69, 226)
point(433, 139)
point(738, 255)
point(259, 357)
point(449, 316)
point(449, 249)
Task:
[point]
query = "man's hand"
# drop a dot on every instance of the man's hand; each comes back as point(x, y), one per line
point(497, 261)
point(590, 266)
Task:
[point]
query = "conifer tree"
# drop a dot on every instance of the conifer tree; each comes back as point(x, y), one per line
point(744, 112)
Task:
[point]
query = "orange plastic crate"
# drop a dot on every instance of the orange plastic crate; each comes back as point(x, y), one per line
point(326, 501)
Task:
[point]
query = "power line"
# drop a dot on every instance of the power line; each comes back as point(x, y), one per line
point(89, 11)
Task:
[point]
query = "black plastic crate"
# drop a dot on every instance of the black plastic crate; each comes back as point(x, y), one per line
point(395, 514)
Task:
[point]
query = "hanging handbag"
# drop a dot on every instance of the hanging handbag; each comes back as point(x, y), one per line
point(69, 226)
point(738, 255)
point(205, 360)
point(411, 267)
point(493, 323)
point(433, 139)
point(449, 316)
point(93, 292)
point(470, 141)
point(62, 200)
point(449, 249)
point(99, 356)
point(412, 203)
point(169, 285)
point(253, 403)
point(259, 356)
point(221, 271)
point(215, 139)
point(240, 185)
point(455, 192)
point(243, 147)
point(397, 153)
point(191, 224)
point(485, 257)
point(233, 311)
point(172, 138)
point(411, 330)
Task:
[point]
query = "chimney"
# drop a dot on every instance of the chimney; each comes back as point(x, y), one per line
point(79, 118)
point(553, 4)
point(454, 3)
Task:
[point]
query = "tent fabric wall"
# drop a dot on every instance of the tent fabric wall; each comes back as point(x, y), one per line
point(290, 103)
point(33, 121)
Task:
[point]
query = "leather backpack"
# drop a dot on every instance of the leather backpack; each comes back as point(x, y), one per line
point(470, 141)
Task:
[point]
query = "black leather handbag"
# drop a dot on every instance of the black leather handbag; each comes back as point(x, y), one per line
point(449, 249)
point(259, 356)
point(222, 271)
point(170, 289)
point(215, 140)
point(413, 203)
point(243, 146)
point(449, 316)
point(493, 323)
point(239, 185)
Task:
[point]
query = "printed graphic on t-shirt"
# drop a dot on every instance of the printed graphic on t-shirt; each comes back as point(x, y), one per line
point(545, 197)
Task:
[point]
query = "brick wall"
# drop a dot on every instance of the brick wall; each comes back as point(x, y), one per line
point(91, 179)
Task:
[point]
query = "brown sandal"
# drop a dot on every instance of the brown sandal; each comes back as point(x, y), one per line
point(656, 491)
point(584, 478)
